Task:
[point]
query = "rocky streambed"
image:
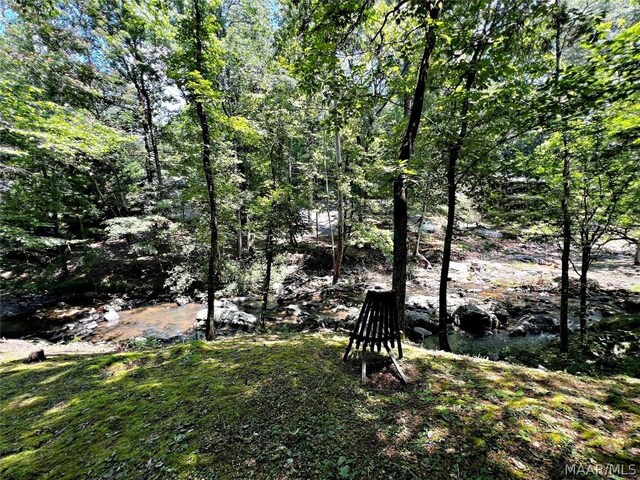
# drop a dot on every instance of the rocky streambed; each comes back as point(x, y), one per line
point(480, 321)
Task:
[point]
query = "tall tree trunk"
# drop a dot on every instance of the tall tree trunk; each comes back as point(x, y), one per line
point(338, 252)
point(147, 107)
point(153, 137)
point(586, 260)
point(636, 258)
point(267, 276)
point(326, 185)
point(400, 210)
point(149, 152)
point(566, 195)
point(454, 154)
point(208, 174)
point(443, 316)
point(239, 232)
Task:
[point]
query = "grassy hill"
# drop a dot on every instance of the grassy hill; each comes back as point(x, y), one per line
point(288, 407)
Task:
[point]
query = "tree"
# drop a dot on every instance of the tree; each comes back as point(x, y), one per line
point(197, 61)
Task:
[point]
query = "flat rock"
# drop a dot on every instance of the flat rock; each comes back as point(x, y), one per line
point(111, 316)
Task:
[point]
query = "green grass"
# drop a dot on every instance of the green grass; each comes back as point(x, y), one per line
point(288, 407)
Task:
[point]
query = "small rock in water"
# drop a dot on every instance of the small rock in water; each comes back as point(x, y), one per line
point(37, 356)
point(202, 315)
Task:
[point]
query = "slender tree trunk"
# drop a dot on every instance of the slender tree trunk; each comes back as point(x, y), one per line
point(148, 150)
point(446, 254)
point(586, 260)
point(454, 154)
point(152, 130)
point(239, 232)
point(267, 277)
point(206, 167)
point(400, 210)
point(566, 196)
point(338, 252)
point(147, 107)
point(326, 184)
point(566, 249)
point(636, 258)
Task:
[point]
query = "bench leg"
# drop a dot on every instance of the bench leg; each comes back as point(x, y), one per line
point(397, 365)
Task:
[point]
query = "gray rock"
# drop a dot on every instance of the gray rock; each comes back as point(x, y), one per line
point(428, 227)
point(473, 319)
point(502, 314)
point(293, 311)
point(519, 331)
point(234, 319)
point(421, 319)
point(486, 233)
point(229, 317)
point(536, 323)
point(180, 301)
point(111, 316)
point(91, 325)
point(422, 332)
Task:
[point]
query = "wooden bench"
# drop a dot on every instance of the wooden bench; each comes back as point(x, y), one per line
point(377, 327)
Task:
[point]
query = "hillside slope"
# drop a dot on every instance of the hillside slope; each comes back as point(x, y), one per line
point(288, 407)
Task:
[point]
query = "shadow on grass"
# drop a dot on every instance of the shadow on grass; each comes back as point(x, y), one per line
point(287, 407)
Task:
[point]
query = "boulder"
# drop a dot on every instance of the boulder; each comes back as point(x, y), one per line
point(234, 318)
point(519, 331)
point(428, 227)
point(502, 314)
point(91, 325)
point(632, 304)
point(424, 302)
point(418, 318)
point(180, 301)
point(418, 333)
point(228, 317)
point(536, 323)
point(111, 316)
point(473, 319)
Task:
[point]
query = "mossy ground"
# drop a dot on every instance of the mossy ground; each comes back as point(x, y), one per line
point(288, 407)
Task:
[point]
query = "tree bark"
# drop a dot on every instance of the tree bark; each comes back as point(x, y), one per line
point(267, 276)
point(400, 210)
point(636, 258)
point(566, 195)
point(338, 252)
point(454, 154)
point(208, 174)
point(586, 260)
